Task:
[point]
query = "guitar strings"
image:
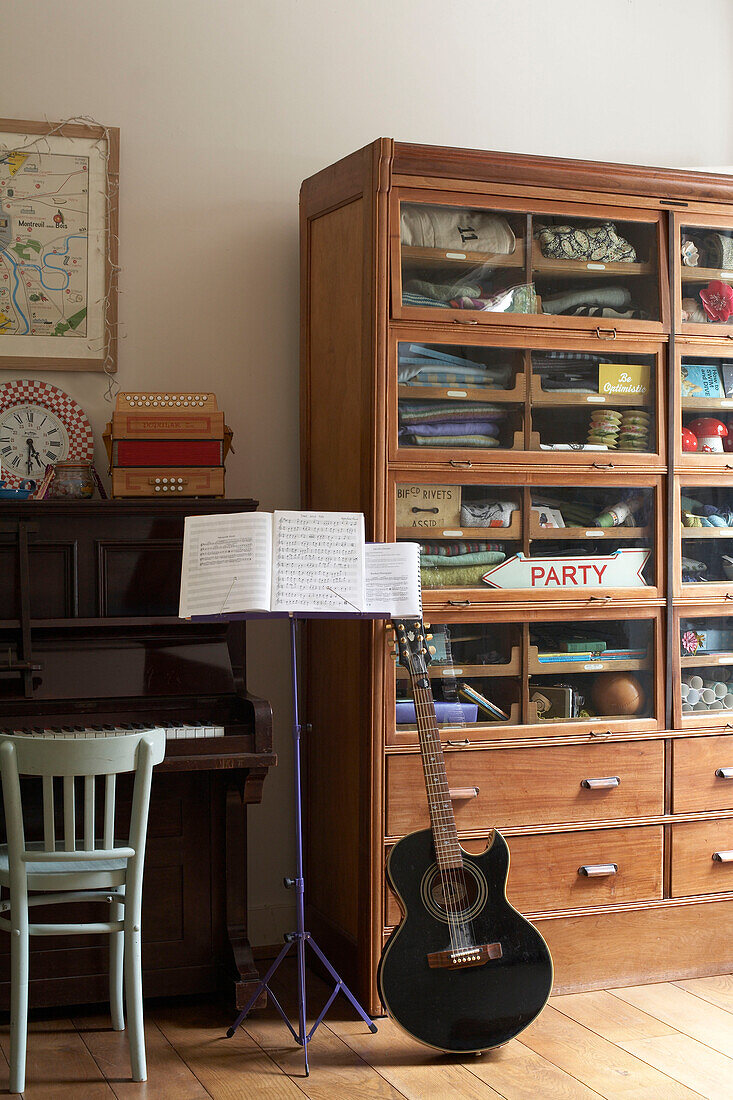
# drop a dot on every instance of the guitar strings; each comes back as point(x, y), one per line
point(453, 879)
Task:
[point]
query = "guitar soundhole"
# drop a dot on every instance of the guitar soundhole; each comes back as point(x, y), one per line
point(461, 895)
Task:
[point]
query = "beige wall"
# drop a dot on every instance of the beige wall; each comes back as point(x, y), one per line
point(225, 105)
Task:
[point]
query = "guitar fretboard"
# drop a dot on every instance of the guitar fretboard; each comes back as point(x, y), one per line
point(442, 819)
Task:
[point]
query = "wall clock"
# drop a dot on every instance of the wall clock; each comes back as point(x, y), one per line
point(39, 424)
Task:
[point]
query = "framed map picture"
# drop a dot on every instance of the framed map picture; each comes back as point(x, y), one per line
point(58, 245)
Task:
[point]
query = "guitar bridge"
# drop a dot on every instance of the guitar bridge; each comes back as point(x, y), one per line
point(462, 957)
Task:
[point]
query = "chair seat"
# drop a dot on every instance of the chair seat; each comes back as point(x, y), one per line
point(71, 874)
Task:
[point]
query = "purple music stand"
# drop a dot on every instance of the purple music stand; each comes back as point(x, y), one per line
point(301, 937)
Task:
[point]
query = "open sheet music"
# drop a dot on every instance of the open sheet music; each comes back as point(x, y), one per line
point(294, 561)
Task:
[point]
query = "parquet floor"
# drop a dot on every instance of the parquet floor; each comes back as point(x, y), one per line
point(656, 1042)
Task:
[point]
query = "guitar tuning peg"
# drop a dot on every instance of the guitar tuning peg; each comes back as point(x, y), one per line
point(427, 626)
point(432, 650)
point(428, 636)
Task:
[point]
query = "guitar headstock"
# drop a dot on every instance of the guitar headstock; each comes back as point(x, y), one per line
point(412, 649)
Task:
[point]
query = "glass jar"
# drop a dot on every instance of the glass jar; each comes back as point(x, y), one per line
point(72, 481)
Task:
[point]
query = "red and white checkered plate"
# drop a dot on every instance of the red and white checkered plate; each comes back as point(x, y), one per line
point(29, 391)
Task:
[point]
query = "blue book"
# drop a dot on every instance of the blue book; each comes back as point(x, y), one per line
point(701, 380)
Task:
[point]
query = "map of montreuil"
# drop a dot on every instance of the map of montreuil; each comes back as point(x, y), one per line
point(44, 220)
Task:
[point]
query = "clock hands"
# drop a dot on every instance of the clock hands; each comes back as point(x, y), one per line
point(32, 453)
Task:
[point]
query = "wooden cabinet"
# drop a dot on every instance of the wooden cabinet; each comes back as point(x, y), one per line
point(499, 356)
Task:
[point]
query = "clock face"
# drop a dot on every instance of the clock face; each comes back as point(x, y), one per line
point(39, 425)
point(31, 438)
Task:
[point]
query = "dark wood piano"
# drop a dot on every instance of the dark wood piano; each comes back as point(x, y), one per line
point(89, 637)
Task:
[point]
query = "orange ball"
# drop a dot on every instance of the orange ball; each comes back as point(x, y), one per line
point(617, 693)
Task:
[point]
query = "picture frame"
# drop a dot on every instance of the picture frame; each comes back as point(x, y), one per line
point(59, 218)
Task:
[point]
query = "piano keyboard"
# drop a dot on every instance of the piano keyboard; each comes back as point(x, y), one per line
point(173, 732)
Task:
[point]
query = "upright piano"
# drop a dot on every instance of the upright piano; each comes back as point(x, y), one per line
point(90, 642)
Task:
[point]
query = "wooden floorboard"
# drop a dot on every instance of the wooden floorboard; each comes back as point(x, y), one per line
point(672, 1041)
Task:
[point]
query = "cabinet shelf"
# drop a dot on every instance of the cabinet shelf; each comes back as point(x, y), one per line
point(547, 267)
point(706, 659)
point(457, 392)
point(415, 258)
point(706, 404)
point(513, 720)
point(592, 664)
point(439, 672)
point(705, 275)
point(547, 398)
point(707, 533)
point(562, 533)
point(489, 534)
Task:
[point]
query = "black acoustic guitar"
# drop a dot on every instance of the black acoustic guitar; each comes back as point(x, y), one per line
point(463, 971)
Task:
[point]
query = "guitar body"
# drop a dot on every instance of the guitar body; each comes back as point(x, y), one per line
point(467, 1008)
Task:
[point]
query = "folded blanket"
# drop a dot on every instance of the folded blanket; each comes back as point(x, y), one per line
point(481, 557)
point(453, 549)
point(489, 381)
point(521, 298)
point(452, 229)
point(419, 440)
point(420, 300)
point(443, 292)
point(594, 242)
point(616, 296)
point(455, 427)
point(457, 578)
point(718, 250)
point(606, 311)
point(423, 412)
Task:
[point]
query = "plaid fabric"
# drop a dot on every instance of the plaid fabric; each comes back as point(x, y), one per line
point(418, 440)
point(424, 412)
point(409, 299)
point(452, 549)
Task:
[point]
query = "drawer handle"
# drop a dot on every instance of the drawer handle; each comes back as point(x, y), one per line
point(723, 857)
point(465, 741)
point(456, 793)
point(464, 321)
point(461, 464)
point(724, 773)
point(601, 784)
point(606, 333)
point(459, 603)
point(599, 870)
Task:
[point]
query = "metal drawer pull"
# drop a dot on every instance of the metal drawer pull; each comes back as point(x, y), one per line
point(465, 741)
point(723, 857)
point(724, 773)
point(606, 333)
point(601, 784)
point(463, 792)
point(598, 870)
point(462, 464)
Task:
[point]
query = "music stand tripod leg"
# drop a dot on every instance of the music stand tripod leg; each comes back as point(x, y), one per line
point(300, 936)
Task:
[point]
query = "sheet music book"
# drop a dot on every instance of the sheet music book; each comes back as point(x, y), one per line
point(295, 561)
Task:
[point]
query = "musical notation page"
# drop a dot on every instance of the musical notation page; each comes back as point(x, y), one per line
point(227, 561)
point(318, 561)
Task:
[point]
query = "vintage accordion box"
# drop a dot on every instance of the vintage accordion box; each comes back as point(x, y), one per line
point(167, 444)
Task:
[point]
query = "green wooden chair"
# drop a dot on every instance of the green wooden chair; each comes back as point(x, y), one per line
point(66, 870)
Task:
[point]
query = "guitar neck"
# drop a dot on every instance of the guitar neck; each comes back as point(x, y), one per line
point(442, 819)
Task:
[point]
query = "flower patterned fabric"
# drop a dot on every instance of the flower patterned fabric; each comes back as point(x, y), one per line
point(599, 242)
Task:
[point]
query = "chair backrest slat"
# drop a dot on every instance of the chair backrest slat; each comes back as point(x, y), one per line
point(109, 811)
point(49, 822)
point(89, 790)
point(69, 814)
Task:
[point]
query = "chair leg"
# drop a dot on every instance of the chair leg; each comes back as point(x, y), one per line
point(116, 956)
point(18, 992)
point(134, 996)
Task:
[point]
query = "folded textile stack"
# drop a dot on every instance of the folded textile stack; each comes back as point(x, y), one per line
point(718, 250)
point(456, 564)
point(693, 571)
point(488, 513)
point(590, 301)
point(574, 513)
point(602, 243)
point(450, 423)
point(709, 516)
point(521, 298)
point(568, 371)
point(419, 365)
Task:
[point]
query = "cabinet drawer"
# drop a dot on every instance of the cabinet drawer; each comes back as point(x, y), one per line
point(545, 870)
point(532, 786)
point(694, 871)
point(695, 784)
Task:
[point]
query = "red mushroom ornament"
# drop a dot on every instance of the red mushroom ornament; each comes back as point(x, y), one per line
point(710, 433)
point(689, 440)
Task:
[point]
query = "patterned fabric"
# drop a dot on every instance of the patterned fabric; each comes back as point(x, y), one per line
point(521, 298)
point(451, 549)
point(419, 440)
point(494, 513)
point(423, 412)
point(481, 557)
point(441, 577)
point(443, 292)
point(420, 300)
point(618, 297)
point(463, 230)
point(453, 427)
point(718, 250)
point(601, 243)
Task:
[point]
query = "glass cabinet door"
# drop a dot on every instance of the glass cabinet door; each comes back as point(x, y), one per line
point(486, 261)
point(490, 677)
point(705, 387)
point(474, 401)
point(704, 291)
point(705, 519)
point(704, 690)
point(554, 539)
